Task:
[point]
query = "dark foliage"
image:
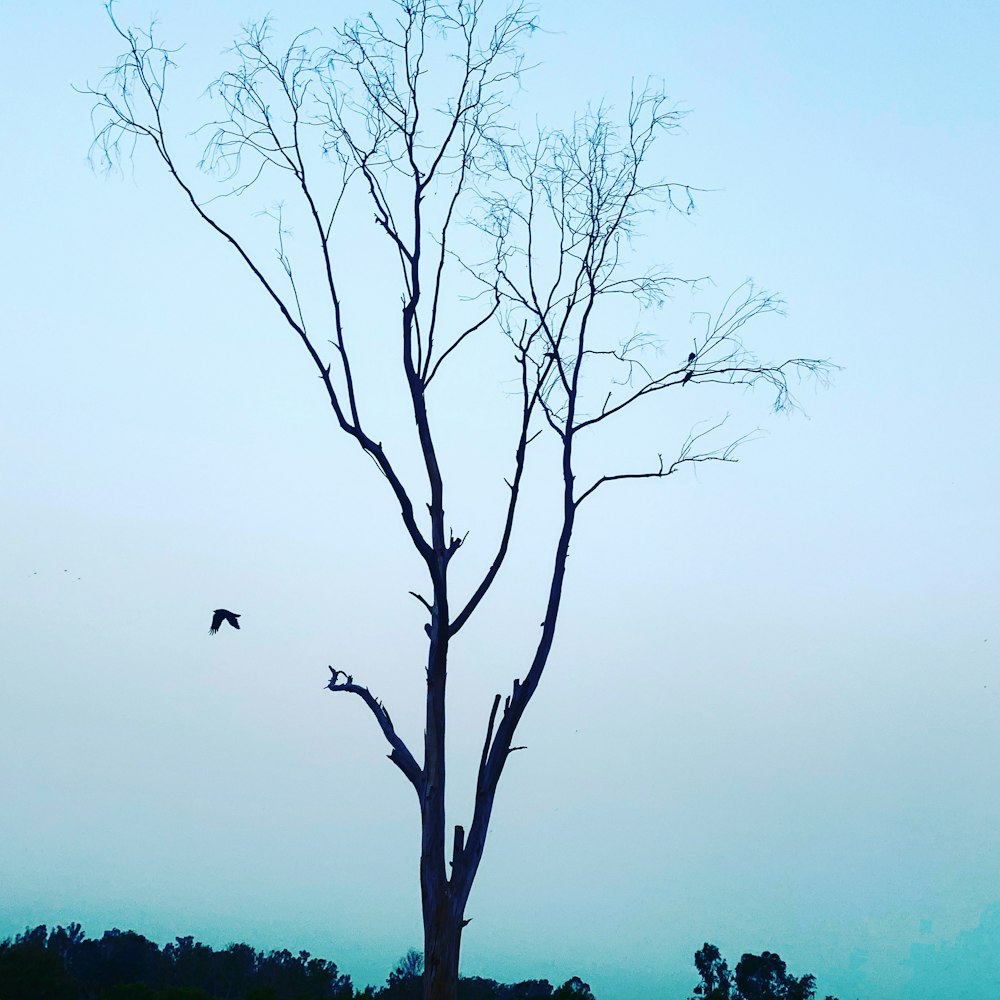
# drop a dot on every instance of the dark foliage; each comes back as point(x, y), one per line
point(757, 977)
point(30, 970)
point(63, 964)
point(121, 965)
point(716, 982)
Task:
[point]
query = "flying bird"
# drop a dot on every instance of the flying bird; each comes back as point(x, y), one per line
point(219, 616)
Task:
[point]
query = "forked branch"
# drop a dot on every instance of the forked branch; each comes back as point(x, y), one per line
point(400, 755)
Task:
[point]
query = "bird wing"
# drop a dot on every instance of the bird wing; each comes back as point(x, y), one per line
point(216, 622)
point(232, 619)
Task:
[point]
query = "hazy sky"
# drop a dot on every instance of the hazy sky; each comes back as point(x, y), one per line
point(772, 718)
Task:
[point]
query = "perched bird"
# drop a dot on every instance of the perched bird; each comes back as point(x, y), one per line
point(687, 378)
point(691, 358)
point(220, 615)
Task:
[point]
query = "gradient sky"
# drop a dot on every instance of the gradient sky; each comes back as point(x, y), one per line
point(772, 718)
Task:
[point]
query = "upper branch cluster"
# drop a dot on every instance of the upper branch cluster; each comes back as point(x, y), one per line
point(551, 221)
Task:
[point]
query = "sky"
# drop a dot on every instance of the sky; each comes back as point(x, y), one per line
point(772, 715)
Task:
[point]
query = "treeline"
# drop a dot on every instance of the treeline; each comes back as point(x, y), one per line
point(64, 964)
point(756, 977)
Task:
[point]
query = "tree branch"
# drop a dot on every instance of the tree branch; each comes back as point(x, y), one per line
point(530, 397)
point(400, 755)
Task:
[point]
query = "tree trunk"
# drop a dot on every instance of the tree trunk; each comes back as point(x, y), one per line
point(443, 904)
point(442, 942)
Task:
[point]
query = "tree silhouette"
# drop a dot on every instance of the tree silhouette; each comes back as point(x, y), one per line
point(405, 982)
point(573, 989)
point(764, 977)
point(757, 977)
point(716, 982)
point(488, 231)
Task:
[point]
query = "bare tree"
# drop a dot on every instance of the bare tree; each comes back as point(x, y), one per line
point(528, 237)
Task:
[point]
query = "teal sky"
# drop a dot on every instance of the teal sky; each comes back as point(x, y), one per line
point(772, 719)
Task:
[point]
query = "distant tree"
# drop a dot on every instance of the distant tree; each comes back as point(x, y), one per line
point(83, 956)
point(191, 963)
point(127, 957)
point(716, 982)
point(765, 977)
point(235, 969)
point(803, 988)
point(405, 982)
point(65, 941)
point(485, 228)
point(573, 989)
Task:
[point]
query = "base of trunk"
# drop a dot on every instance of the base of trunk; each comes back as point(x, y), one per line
point(442, 944)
